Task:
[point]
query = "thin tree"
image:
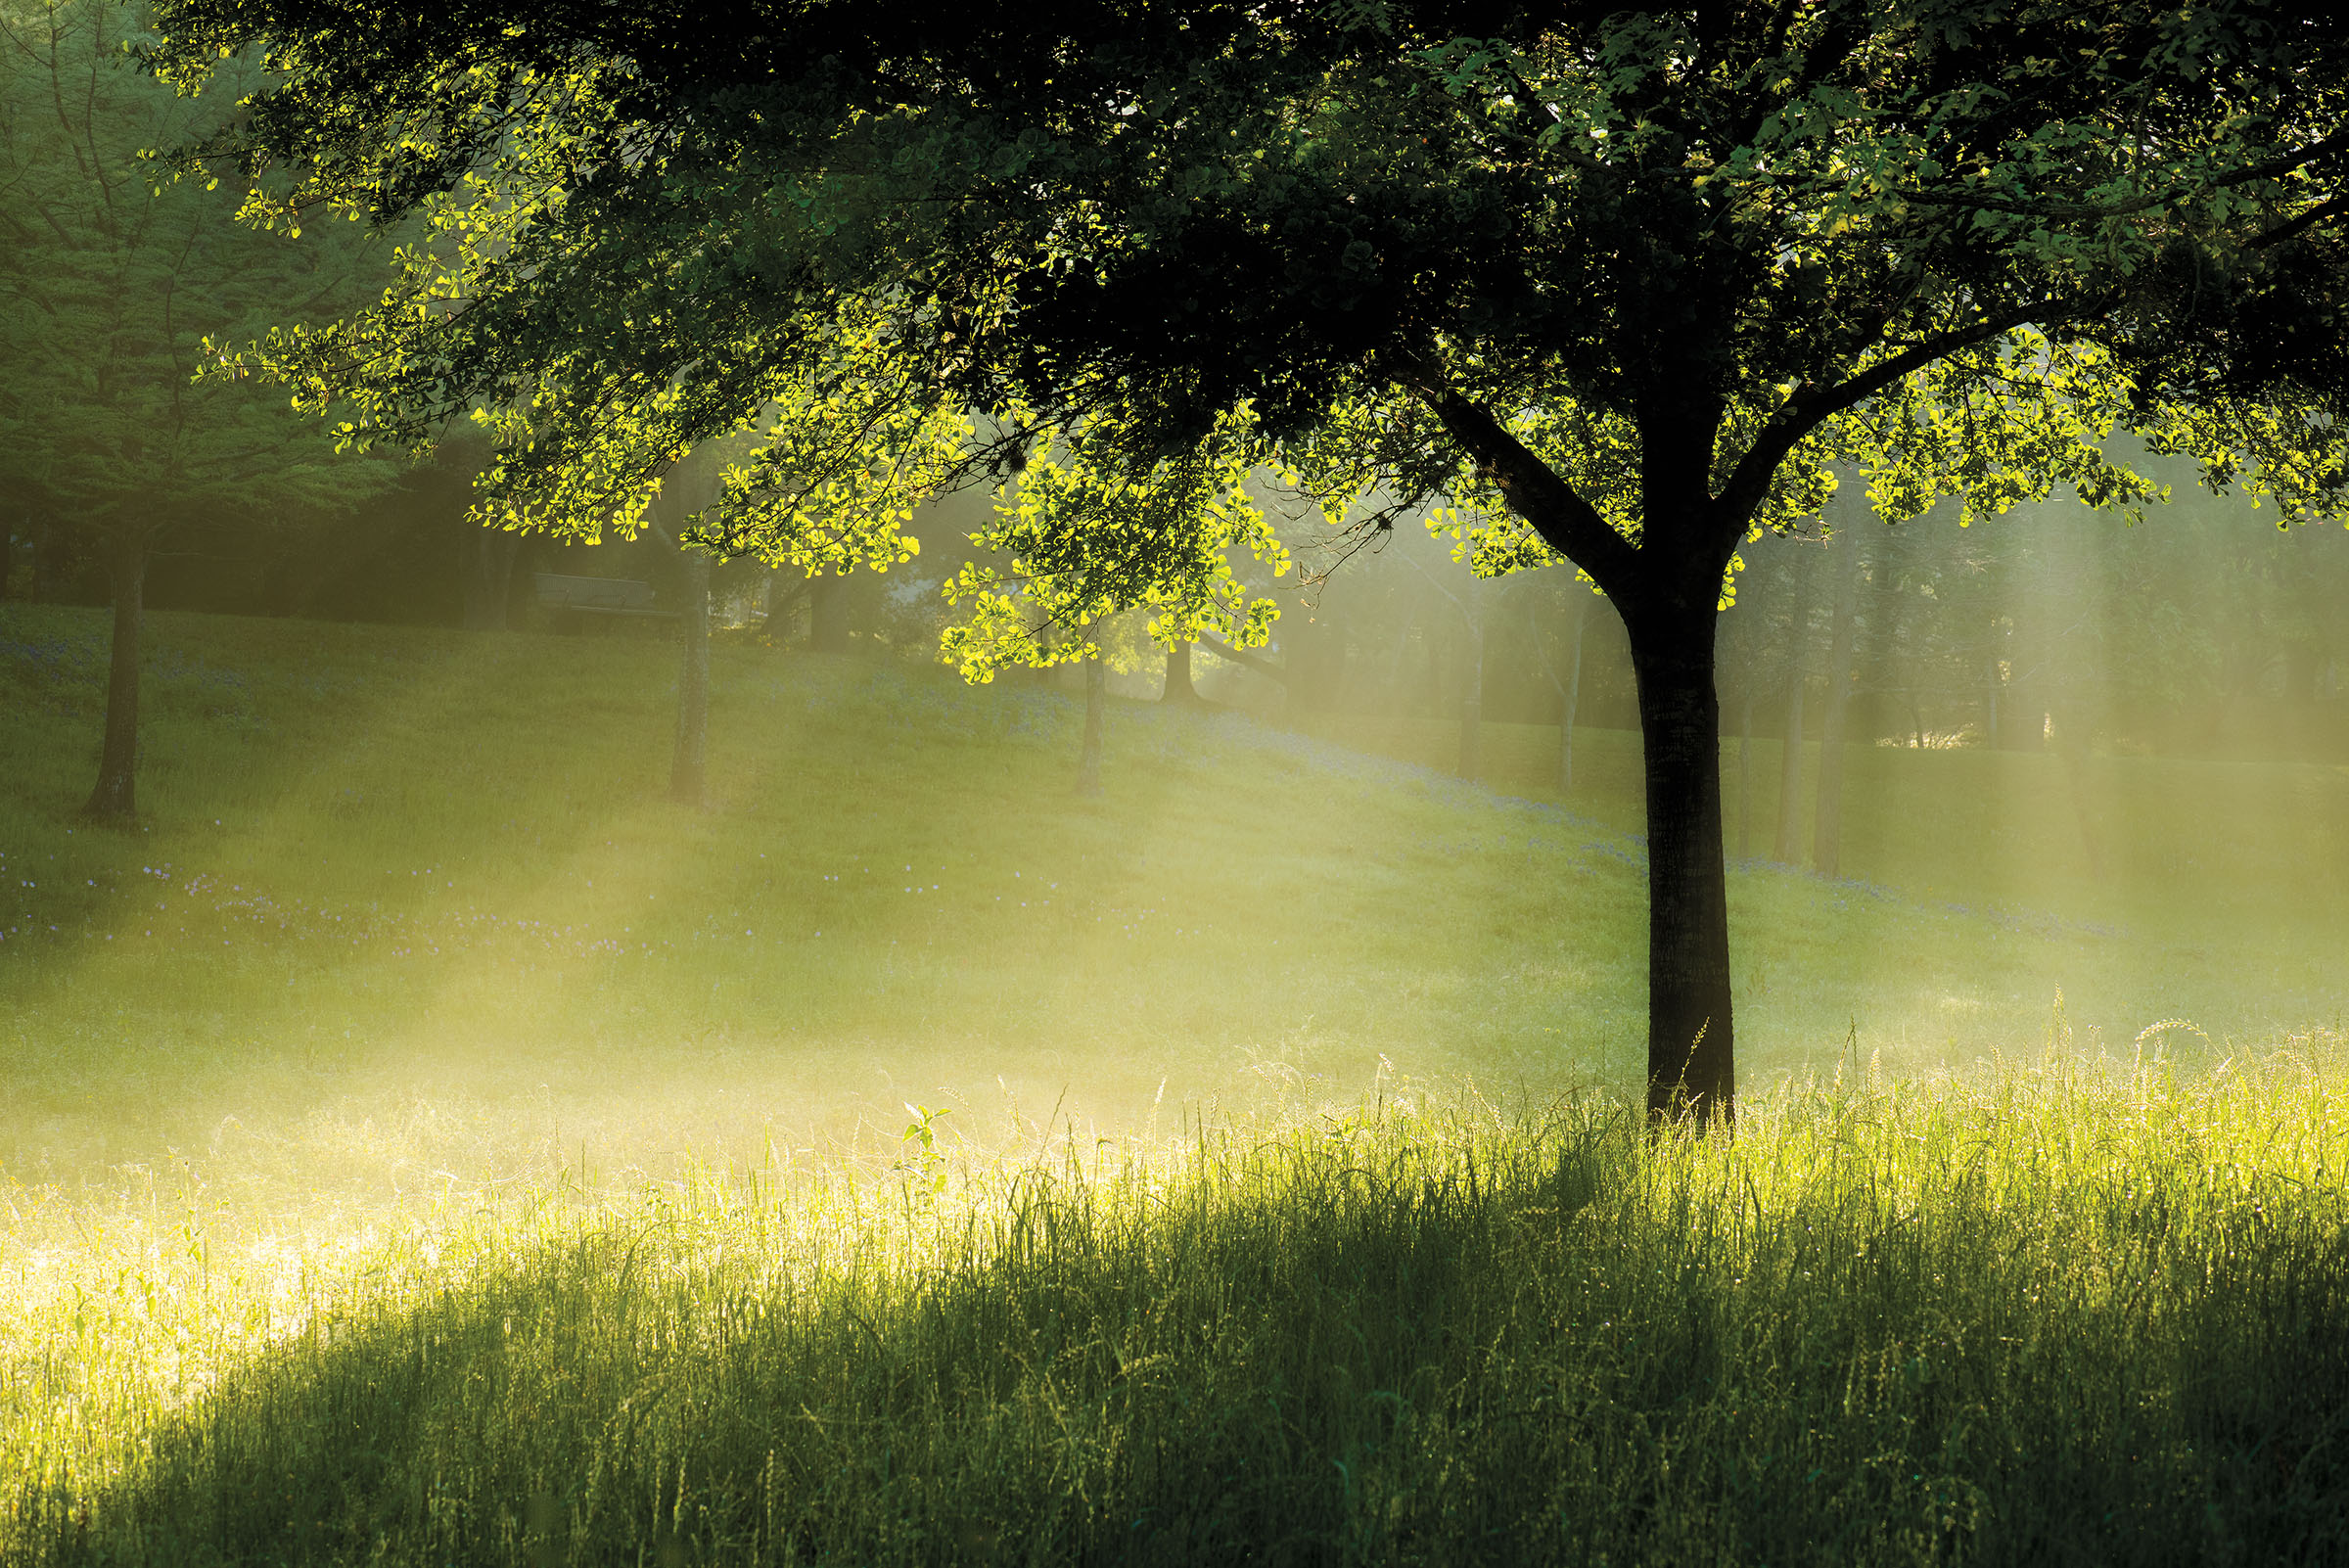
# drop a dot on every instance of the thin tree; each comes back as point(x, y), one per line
point(113, 289)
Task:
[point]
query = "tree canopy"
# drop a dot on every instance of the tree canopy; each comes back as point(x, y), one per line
point(1621, 281)
point(113, 279)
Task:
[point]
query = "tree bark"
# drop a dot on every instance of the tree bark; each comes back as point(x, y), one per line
point(689, 765)
point(1179, 689)
point(1691, 1043)
point(1827, 837)
point(1788, 848)
point(115, 798)
point(1088, 761)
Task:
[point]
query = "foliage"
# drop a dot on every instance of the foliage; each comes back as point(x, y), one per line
point(113, 276)
point(1088, 539)
point(1623, 280)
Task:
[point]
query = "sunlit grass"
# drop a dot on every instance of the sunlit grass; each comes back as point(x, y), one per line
point(2074, 1310)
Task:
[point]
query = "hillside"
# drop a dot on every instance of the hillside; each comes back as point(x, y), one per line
point(410, 901)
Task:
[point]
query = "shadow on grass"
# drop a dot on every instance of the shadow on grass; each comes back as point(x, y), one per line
point(1406, 1341)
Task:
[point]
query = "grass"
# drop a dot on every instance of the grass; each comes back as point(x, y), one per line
point(2070, 1317)
point(424, 1144)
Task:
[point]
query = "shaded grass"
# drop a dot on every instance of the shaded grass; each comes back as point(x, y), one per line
point(2063, 1314)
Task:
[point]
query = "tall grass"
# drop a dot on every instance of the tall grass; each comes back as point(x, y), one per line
point(421, 1144)
point(2074, 1310)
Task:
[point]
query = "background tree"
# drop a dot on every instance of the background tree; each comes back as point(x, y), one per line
point(113, 280)
point(1623, 279)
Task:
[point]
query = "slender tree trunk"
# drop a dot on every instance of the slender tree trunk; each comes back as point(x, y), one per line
point(115, 799)
point(1179, 689)
point(1088, 761)
point(1827, 838)
point(1691, 1043)
point(1472, 695)
point(1789, 850)
point(690, 764)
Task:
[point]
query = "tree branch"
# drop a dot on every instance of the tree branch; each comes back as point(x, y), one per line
point(2301, 225)
point(1567, 522)
point(1805, 412)
point(2273, 168)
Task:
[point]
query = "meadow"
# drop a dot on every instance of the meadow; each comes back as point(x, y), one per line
point(422, 1142)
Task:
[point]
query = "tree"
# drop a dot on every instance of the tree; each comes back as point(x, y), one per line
point(112, 279)
point(1622, 280)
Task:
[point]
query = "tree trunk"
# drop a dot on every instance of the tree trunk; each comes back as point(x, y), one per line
point(1472, 695)
point(115, 799)
point(488, 573)
point(1826, 838)
point(1179, 689)
point(1088, 761)
point(1692, 1040)
point(690, 764)
point(1789, 850)
point(828, 614)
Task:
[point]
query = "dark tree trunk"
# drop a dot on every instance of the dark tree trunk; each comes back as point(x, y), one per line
point(1691, 1043)
point(1088, 761)
point(1788, 848)
point(1179, 689)
point(115, 799)
point(489, 572)
point(828, 615)
point(1826, 838)
point(689, 766)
